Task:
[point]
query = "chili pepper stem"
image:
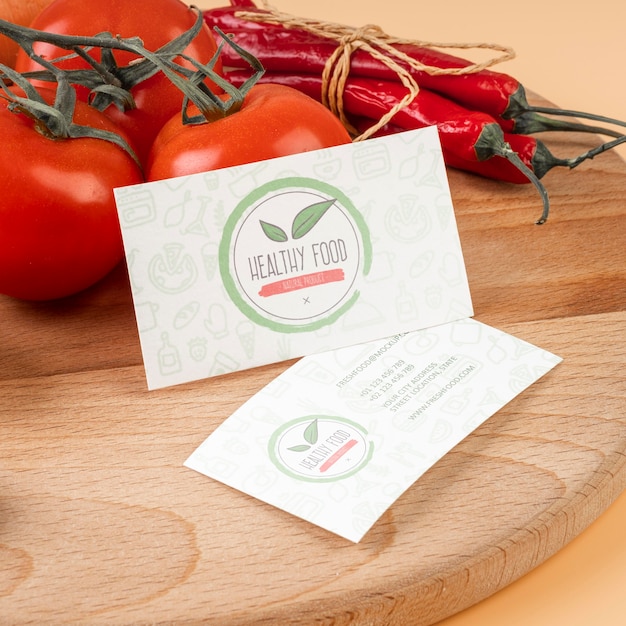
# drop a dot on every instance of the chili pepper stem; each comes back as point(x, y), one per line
point(514, 158)
point(575, 161)
point(492, 143)
point(510, 155)
point(531, 122)
point(504, 150)
point(519, 107)
point(580, 114)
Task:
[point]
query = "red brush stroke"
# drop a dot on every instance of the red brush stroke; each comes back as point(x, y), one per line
point(328, 463)
point(302, 282)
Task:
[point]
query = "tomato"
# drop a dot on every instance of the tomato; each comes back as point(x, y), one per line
point(156, 22)
point(59, 230)
point(273, 121)
point(17, 12)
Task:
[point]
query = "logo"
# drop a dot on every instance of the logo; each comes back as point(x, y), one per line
point(292, 254)
point(320, 448)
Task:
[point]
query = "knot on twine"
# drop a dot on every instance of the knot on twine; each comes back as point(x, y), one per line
point(372, 40)
point(381, 46)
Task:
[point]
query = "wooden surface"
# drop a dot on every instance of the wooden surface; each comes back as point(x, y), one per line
point(101, 524)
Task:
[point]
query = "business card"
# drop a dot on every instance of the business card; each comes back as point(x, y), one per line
point(260, 263)
point(340, 435)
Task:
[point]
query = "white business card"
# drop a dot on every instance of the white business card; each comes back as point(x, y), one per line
point(260, 263)
point(339, 436)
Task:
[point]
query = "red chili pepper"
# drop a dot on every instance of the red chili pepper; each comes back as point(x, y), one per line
point(459, 128)
point(470, 140)
point(292, 50)
point(533, 152)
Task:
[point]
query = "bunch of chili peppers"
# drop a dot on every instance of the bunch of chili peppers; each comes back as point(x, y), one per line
point(483, 117)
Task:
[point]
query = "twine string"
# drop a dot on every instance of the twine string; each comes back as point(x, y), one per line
point(380, 45)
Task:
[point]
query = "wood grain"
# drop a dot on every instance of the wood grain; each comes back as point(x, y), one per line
point(101, 524)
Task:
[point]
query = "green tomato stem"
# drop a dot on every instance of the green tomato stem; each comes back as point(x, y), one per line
point(53, 121)
point(111, 84)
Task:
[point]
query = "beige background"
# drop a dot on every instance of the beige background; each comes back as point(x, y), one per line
point(576, 59)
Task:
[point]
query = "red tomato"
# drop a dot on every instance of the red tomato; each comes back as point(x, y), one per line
point(17, 12)
point(273, 121)
point(156, 22)
point(59, 230)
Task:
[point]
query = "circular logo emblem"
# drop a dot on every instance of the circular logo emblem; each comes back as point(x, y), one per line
point(292, 253)
point(320, 448)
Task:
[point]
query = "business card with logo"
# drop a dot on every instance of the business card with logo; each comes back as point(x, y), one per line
point(339, 436)
point(244, 266)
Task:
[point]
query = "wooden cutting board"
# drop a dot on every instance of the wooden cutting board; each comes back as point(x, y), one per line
point(100, 523)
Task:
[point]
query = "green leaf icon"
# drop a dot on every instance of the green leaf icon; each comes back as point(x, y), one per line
point(308, 217)
point(275, 233)
point(301, 448)
point(311, 433)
